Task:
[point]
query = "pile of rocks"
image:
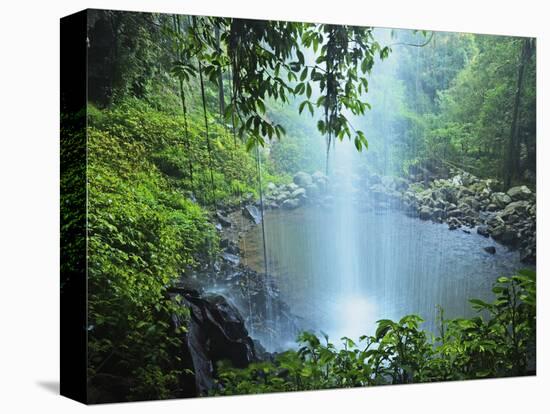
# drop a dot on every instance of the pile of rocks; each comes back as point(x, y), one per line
point(304, 188)
point(465, 200)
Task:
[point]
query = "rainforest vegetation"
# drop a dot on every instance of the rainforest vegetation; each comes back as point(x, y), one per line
point(190, 119)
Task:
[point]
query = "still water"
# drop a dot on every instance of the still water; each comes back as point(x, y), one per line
point(343, 270)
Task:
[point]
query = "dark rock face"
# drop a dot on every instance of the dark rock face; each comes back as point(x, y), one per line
point(223, 220)
point(253, 213)
point(231, 258)
point(215, 332)
point(483, 231)
point(490, 249)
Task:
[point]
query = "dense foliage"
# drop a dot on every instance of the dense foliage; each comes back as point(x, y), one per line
point(460, 99)
point(498, 343)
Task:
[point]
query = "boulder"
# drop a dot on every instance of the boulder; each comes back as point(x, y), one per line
point(229, 246)
point(302, 179)
point(519, 193)
point(215, 332)
point(471, 202)
point(223, 220)
point(504, 234)
point(300, 193)
point(438, 214)
point(253, 213)
point(291, 187)
point(291, 203)
point(500, 200)
point(519, 208)
point(425, 213)
point(313, 191)
point(483, 231)
point(454, 223)
point(231, 258)
point(318, 176)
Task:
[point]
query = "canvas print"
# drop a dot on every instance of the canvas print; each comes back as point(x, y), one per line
point(255, 206)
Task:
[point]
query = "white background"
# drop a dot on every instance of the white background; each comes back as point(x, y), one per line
point(29, 197)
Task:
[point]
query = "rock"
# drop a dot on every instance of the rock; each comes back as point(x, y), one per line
point(492, 207)
point(519, 193)
point(231, 258)
point(425, 213)
point(494, 221)
point(282, 196)
point(501, 200)
point(313, 191)
point(457, 181)
point(471, 202)
point(215, 332)
point(519, 208)
point(483, 231)
point(302, 179)
point(454, 213)
point(503, 233)
point(291, 187)
point(454, 223)
point(291, 204)
point(318, 176)
point(224, 221)
point(253, 213)
point(229, 246)
point(438, 214)
point(300, 193)
point(271, 187)
point(490, 249)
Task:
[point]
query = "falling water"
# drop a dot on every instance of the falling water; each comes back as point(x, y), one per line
point(345, 265)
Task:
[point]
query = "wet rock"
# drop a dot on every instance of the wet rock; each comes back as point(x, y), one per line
point(291, 187)
point(520, 193)
point(438, 214)
point(500, 200)
point(300, 193)
point(231, 258)
point(291, 203)
point(425, 213)
point(454, 223)
point(483, 231)
point(223, 220)
point(318, 176)
point(504, 233)
point(471, 202)
point(302, 179)
point(229, 246)
point(515, 208)
point(455, 213)
point(490, 249)
point(215, 332)
point(313, 191)
point(253, 213)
